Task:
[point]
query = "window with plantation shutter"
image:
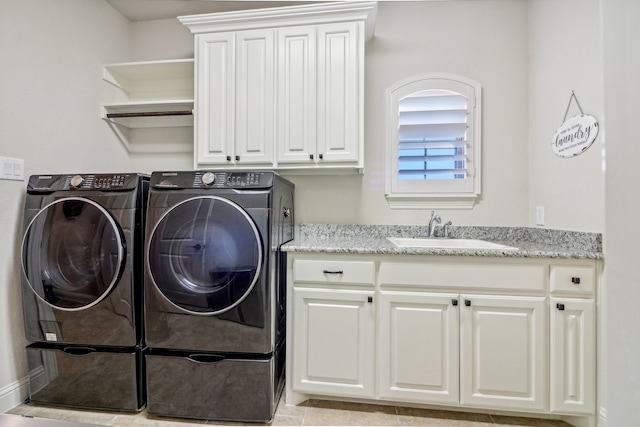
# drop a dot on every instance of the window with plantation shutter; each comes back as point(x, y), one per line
point(433, 142)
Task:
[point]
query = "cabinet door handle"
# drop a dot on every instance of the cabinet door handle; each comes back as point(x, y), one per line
point(310, 156)
point(332, 272)
point(228, 158)
point(467, 302)
point(320, 156)
point(560, 306)
point(454, 302)
point(575, 280)
point(369, 299)
point(237, 158)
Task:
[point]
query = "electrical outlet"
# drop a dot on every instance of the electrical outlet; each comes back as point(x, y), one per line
point(12, 169)
point(540, 215)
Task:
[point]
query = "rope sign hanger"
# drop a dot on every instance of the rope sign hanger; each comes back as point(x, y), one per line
point(575, 135)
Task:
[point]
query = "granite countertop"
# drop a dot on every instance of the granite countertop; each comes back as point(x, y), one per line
point(372, 239)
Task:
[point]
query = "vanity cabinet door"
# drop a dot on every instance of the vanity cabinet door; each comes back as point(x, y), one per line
point(418, 346)
point(573, 349)
point(334, 339)
point(503, 351)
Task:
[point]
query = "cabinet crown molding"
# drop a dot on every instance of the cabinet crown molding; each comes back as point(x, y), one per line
point(284, 16)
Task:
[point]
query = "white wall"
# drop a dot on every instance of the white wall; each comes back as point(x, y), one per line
point(50, 91)
point(565, 54)
point(485, 40)
point(151, 41)
point(622, 230)
point(52, 53)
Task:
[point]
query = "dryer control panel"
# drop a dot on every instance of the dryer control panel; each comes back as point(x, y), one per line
point(212, 179)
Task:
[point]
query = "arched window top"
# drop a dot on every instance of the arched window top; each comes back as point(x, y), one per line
point(433, 142)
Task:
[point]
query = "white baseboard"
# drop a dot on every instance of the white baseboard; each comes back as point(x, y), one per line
point(14, 394)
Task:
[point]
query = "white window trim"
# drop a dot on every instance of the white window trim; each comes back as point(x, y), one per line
point(437, 199)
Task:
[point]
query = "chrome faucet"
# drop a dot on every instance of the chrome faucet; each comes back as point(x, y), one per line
point(435, 219)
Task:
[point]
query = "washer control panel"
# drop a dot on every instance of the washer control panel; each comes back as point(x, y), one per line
point(212, 179)
point(102, 182)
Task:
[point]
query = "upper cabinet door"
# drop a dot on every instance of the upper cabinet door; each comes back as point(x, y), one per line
point(340, 85)
point(255, 96)
point(296, 94)
point(214, 98)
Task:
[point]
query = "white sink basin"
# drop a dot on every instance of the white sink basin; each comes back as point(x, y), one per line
point(411, 242)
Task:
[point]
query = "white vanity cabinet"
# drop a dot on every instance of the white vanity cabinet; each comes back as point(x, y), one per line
point(515, 334)
point(335, 327)
point(573, 339)
point(472, 349)
point(492, 345)
point(335, 332)
point(418, 346)
point(503, 348)
point(281, 88)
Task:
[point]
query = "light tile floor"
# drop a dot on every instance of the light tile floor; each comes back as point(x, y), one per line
point(310, 413)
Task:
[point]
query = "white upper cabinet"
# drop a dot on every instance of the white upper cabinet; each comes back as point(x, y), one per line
point(297, 94)
point(214, 139)
point(281, 88)
point(234, 96)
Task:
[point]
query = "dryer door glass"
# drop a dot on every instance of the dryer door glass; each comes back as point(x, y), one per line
point(205, 255)
point(73, 253)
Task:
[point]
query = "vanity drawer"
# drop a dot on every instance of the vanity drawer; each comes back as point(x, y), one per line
point(474, 274)
point(333, 271)
point(577, 280)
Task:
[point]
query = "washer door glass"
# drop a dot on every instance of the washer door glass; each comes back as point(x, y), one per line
point(205, 255)
point(73, 253)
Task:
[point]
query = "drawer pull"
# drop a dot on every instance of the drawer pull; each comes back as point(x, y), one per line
point(560, 306)
point(332, 272)
point(575, 280)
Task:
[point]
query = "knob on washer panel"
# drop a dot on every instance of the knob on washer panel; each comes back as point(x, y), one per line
point(208, 178)
point(76, 181)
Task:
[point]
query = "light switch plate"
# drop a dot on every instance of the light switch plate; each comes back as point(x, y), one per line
point(12, 169)
point(540, 215)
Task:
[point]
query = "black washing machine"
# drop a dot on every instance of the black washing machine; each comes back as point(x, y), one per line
point(214, 293)
point(82, 287)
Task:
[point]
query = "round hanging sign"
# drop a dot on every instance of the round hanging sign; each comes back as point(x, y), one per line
point(575, 135)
